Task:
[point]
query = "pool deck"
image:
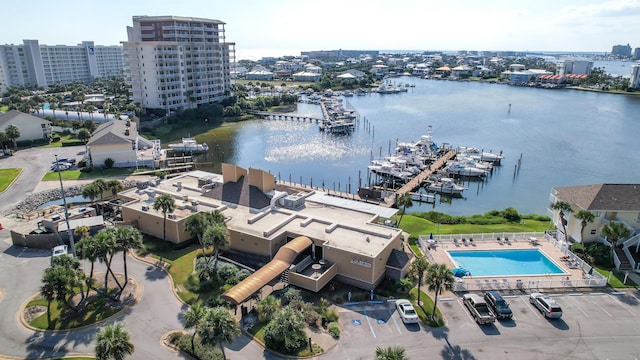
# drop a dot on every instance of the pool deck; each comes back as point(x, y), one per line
point(572, 278)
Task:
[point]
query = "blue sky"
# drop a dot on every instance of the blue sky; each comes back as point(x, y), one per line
point(289, 26)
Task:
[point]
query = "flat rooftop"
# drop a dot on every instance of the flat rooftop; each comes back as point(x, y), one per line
point(342, 223)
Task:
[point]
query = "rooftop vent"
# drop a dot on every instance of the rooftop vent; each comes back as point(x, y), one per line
point(293, 201)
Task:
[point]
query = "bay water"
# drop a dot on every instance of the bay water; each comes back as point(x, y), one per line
point(559, 137)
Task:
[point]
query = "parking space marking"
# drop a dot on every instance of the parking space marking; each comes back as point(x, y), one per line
point(466, 311)
point(369, 322)
point(623, 305)
point(394, 321)
point(536, 312)
point(601, 307)
point(575, 302)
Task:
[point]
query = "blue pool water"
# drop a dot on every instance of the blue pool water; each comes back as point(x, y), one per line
point(505, 262)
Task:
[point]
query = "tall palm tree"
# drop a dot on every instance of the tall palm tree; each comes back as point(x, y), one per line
point(12, 132)
point(218, 327)
point(115, 186)
point(614, 231)
point(405, 202)
point(267, 307)
point(102, 185)
point(586, 217)
point(193, 318)
point(195, 225)
point(89, 248)
point(166, 204)
point(439, 278)
point(563, 207)
point(106, 247)
point(113, 342)
point(417, 272)
point(91, 192)
point(48, 291)
point(391, 353)
point(217, 236)
point(128, 238)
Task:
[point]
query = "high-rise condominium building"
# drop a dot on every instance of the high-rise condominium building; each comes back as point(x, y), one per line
point(46, 65)
point(173, 62)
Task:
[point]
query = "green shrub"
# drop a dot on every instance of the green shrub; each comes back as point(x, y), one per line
point(55, 138)
point(334, 329)
point(183, 342)
point(332, 316)
point(72, 143)
point(87, 169)
point(108, 163)
point(227, 273)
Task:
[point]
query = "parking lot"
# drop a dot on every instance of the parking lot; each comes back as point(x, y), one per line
point(594, 325)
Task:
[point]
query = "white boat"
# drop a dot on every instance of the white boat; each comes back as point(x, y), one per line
point(469, 161)
point(445, 186)
point(477, 154)
point(459, 168)
point(387, 169)
point(189, 145)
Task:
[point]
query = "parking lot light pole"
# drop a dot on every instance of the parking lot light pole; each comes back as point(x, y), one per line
point(66, 211)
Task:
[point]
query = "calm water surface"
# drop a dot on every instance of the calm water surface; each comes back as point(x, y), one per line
point(564, 137)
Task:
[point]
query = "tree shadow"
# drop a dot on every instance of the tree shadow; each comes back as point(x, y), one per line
point(57, 344)
point(449, 351)
point(155, 273)
point(25, 252)
point(239, 343)
point(629, 299)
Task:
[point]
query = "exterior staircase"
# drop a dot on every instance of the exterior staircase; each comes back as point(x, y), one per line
point(625, 264)
point(284, 278)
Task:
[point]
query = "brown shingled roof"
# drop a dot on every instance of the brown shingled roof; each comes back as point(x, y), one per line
point(602, 197)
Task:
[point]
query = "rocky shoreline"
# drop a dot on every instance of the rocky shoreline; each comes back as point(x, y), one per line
point(33, 201)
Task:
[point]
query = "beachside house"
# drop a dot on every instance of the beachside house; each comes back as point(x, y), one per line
point(30, 127)
point(119, 141)
point(608, 203)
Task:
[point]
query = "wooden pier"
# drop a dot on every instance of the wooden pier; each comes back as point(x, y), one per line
point(420, 178)
point(285, 116)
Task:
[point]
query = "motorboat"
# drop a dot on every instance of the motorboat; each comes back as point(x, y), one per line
point(445, 185)
point(478, 154)
point(189, 145)
point(461, 169)
point(387, 169)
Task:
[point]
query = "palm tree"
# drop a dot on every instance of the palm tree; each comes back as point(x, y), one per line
point(106, 247)
point(391, 353)
point(585, 216)
point(127, 238)
point(614, 231)
point(217, 236)
point(166, 204)
point(218, 327)
point(439, 278)
point(12, 133)
point(267, 307)
point(115, 186)
point(563, 207)
point(193, 318)
point(48, 291)
point(417, 271)
point(101, 184)
point(90, 192)
point(113, 342)
point(405, 202)
point(89, 248)
point(195, 225)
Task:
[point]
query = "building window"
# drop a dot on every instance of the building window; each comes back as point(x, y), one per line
point(593, 231)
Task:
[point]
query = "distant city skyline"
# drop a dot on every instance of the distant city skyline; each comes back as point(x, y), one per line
point(286, 27)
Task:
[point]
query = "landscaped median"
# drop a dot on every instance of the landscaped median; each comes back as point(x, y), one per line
point(8, 176)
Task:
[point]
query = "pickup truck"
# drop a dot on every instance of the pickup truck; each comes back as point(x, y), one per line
point(478, 308)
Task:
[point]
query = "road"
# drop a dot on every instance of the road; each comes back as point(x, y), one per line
point(35, 162)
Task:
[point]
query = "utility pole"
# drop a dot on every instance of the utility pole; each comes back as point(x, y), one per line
point(66, 211)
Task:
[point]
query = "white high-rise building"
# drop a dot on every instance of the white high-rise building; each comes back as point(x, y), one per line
point(46, 65)
point(173, 62)
point(566, 67)
point(634, 82)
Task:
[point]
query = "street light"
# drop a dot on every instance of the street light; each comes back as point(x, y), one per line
point(66, 212)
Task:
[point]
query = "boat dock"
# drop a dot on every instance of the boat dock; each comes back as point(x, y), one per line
point(420, 178)
point(285, 116)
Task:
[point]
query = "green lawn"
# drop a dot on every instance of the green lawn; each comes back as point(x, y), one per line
point(57, 144)
point(418, 226)
point(62, 319)
point(181, 270)
point(616, 278)
point(426, 309)
point(79, 175)
point(7, 176)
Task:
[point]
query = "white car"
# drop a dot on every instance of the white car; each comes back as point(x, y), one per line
point(59, 251)
point(407, 312)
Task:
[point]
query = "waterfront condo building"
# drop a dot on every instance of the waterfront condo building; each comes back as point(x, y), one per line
point(46, 65)
point(174, 62)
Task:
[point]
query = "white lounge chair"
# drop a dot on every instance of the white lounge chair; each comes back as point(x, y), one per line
point(487, 283)
point(480, 286)
point(505, 283)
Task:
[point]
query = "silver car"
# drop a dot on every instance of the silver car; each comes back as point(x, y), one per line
point(547, 306)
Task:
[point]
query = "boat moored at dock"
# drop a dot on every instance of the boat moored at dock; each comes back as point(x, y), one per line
point(189, 145)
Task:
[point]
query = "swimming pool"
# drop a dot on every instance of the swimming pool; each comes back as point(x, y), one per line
point(505, 262)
